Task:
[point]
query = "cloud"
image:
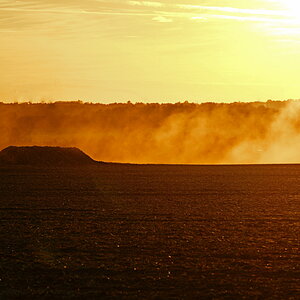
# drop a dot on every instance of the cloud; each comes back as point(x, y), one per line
point(134, 8)
point(237, 18)
point(232, 10)
point(79, 11)
point(162, 19)
point(268, 16)
point(145, 3)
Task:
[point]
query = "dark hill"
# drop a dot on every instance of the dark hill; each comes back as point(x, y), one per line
point(44, 156)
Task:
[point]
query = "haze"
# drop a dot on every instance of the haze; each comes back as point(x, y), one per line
point(162, 51)
point(160, 133)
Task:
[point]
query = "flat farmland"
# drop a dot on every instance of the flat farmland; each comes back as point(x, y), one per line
point(114, 231)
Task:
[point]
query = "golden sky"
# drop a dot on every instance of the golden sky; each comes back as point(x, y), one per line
point(155, 51)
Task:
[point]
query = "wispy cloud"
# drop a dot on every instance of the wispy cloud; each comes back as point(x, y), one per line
point(232, 10)
point(79, 11)
point(146, 3)
point(237, 18)
point(162, 19)
point(158, 11)
point(139, 8)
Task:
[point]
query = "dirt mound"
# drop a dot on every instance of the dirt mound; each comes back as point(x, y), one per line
point(44, 156)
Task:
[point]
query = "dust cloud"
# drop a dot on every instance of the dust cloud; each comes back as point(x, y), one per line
point(209, 133)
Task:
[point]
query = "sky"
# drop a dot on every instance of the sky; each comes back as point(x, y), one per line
point(149, 51)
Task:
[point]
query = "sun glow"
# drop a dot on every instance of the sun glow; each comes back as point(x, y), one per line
point(292, 7)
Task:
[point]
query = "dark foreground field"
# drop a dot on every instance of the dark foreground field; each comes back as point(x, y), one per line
point(150, 232)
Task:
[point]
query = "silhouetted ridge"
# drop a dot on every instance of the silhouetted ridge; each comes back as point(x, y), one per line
point(44, 156)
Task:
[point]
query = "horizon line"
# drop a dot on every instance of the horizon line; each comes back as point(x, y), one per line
point(152, 163)
point(133, 102)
